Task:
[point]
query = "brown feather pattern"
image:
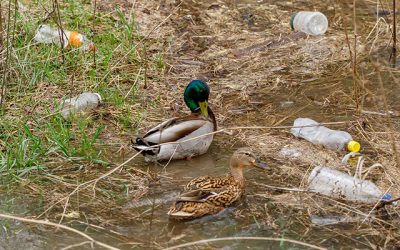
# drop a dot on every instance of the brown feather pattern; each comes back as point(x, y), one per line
point(209, 195)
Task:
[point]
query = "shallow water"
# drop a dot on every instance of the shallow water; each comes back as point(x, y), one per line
point(252, 216)
point(154, 229)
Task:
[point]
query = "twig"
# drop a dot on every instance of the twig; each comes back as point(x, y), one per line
point(48, 223)
point(170, 159)
point(7, 65)
point(356, 87)
point(77, 245)
point(281, 188)
point(193, 243)
point(384, 203)
point(394, 37)
point(94, 26)
point(1, 35)
point(61, 32)
point(374, 208)
point(134, 83)
point(1, 48)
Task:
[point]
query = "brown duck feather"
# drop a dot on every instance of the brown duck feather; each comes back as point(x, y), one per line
point(198, 203)
point(207, 182)
point(209, 195)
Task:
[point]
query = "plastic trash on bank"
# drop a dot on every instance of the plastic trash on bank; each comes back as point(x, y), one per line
point(80, 103)
point(47, 34)
point(313, 132)
point(336, 184)
point(310, 22)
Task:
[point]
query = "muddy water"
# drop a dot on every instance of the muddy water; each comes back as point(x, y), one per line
point(154, 230)
point(252, 216)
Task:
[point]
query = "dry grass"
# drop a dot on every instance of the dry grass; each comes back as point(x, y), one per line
point(251, 60)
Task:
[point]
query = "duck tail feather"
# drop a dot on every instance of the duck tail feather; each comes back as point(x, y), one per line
point(142, 145)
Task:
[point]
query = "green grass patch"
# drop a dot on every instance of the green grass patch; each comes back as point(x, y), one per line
point(33, 137)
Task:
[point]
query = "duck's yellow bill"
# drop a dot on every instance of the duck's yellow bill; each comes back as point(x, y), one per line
point(204, 108)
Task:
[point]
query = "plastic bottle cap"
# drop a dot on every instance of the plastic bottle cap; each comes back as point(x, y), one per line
point(75, 39)
point(292, 21)
point(387, 197)
point(99, 96)
point(353, 146)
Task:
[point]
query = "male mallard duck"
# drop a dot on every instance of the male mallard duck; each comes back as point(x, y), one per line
point(210, 195)
point(200, 122)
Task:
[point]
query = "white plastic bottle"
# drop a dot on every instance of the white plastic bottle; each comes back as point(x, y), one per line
point(318, 134)
point(47, 34)
point(80, 103)
point(310, 22)
point(340, 185)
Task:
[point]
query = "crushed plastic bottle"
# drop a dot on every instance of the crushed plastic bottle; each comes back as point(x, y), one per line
point(340, 185)
point(318, 134)
point(47, 34)
point(310, 22)
point(80, 103)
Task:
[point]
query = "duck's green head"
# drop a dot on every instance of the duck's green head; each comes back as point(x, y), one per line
point(196, 96)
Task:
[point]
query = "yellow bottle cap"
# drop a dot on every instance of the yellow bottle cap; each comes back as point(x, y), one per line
point(353, 146)
point(75, 39)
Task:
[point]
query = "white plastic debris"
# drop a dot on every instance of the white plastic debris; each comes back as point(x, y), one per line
point(340, 185)
point(312, 131)
point(47, 34)
point(80, 103)
point(290, 152)
point(310, 22)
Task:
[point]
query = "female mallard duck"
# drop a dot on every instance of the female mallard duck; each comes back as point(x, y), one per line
point(180, 130)
point(209, 195)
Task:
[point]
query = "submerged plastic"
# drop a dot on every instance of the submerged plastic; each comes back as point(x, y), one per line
point(340, 185)
point(47, 34)
point(80, 103)
point(320, 135)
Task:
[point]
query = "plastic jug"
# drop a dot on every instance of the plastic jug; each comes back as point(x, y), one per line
point(47, 34)
point(337, 184)
point(318, 134)
point(310, 22)
point(80, 103)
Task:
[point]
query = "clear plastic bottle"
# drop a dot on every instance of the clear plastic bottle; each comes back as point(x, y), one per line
point(80, 103)
point(311, 22)
point(318, 134)
point(47, 34)
point(340, 185)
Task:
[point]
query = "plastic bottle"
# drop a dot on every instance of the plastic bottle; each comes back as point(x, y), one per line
point(337, 184)
point(318, 134)
point(47, 34)
point(80, 103)
point(310, 22)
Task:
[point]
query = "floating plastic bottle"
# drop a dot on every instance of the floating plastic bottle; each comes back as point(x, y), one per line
point(47, 34)
point(318, 134)
point(310, 22)
point(340, 185)
point(80, 103)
